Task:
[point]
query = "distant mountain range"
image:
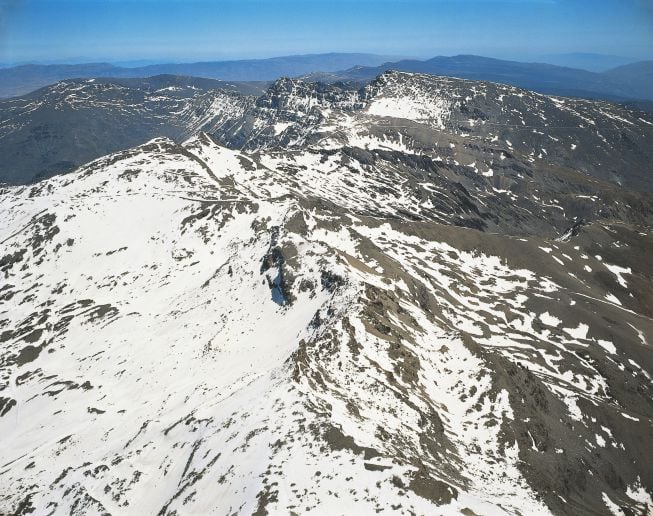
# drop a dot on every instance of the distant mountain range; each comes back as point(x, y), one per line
point(19, 80)
point(586, 61)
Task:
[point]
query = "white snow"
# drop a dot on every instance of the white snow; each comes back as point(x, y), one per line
point(618, 272)
point(549, 319)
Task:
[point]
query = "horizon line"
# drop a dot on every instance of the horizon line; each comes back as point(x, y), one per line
point(145, 62)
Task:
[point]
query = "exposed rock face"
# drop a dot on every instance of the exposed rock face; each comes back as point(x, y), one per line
point(350, 315)
point(61, 127)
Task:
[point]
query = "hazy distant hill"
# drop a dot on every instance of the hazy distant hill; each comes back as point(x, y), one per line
point(640, 74)
point(23, 79)
point(587, 61)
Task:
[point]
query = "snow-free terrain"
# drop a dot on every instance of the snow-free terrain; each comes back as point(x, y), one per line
point(344, 317)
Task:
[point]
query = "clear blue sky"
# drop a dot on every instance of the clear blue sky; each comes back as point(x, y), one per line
point(187, 30)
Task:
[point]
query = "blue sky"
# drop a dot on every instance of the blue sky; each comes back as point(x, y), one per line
point(187, 30)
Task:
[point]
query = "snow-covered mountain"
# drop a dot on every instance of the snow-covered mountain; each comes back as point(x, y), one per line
point(383, 300)
point(466, 121)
